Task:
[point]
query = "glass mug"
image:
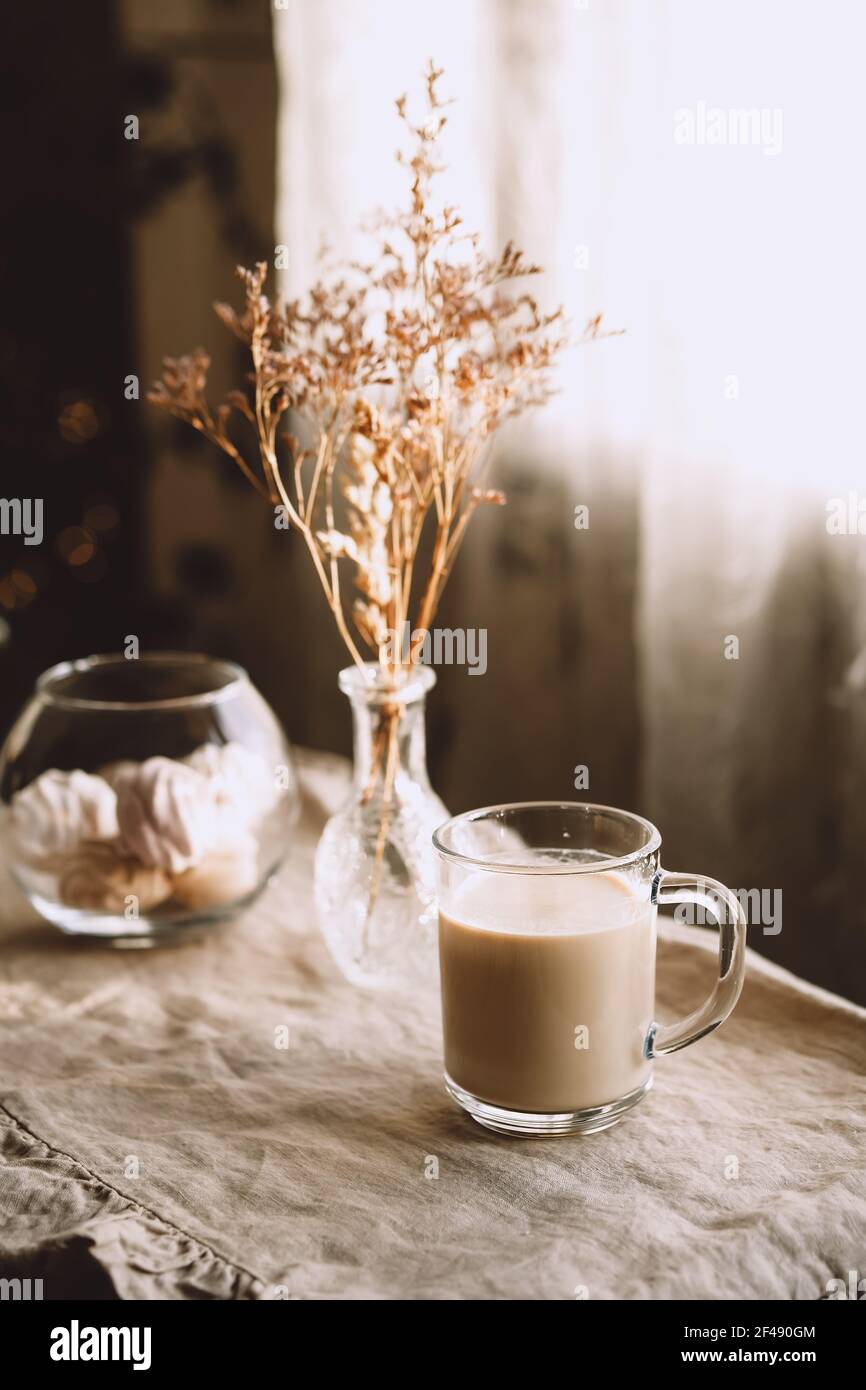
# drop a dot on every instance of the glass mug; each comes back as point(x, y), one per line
point(547, 941)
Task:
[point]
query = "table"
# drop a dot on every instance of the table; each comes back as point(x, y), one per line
point(157, 1142)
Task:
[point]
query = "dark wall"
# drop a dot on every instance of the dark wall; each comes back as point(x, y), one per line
point(66, 340)
point(77, 203)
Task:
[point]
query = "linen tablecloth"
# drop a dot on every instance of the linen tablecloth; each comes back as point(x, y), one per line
point(157, 1142)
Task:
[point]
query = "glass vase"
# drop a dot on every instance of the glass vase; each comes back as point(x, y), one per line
point(375, 868)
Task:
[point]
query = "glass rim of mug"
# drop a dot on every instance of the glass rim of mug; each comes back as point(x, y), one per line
point(445, 851)
point(214, 693)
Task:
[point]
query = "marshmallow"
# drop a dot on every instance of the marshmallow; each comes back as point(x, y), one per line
point(169, 816)
point(219, 878)
point(100, 877)
point(59, 810)
point(242, 781)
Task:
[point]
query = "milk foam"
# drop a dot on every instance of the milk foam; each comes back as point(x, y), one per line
point(548, 904)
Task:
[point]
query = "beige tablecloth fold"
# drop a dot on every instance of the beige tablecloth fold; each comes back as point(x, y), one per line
point(155, 1142)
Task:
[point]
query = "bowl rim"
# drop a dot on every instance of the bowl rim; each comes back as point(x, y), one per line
point(238, 678)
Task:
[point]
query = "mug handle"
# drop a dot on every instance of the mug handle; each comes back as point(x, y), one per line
point(724, 907)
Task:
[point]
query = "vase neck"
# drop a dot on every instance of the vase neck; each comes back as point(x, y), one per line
point(388, 728)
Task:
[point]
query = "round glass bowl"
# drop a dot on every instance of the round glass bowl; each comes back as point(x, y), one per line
point(143, 800)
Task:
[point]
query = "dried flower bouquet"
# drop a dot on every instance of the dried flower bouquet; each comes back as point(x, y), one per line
point(394, 374)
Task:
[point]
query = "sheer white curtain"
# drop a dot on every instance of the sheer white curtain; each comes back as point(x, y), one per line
point(607, 137)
